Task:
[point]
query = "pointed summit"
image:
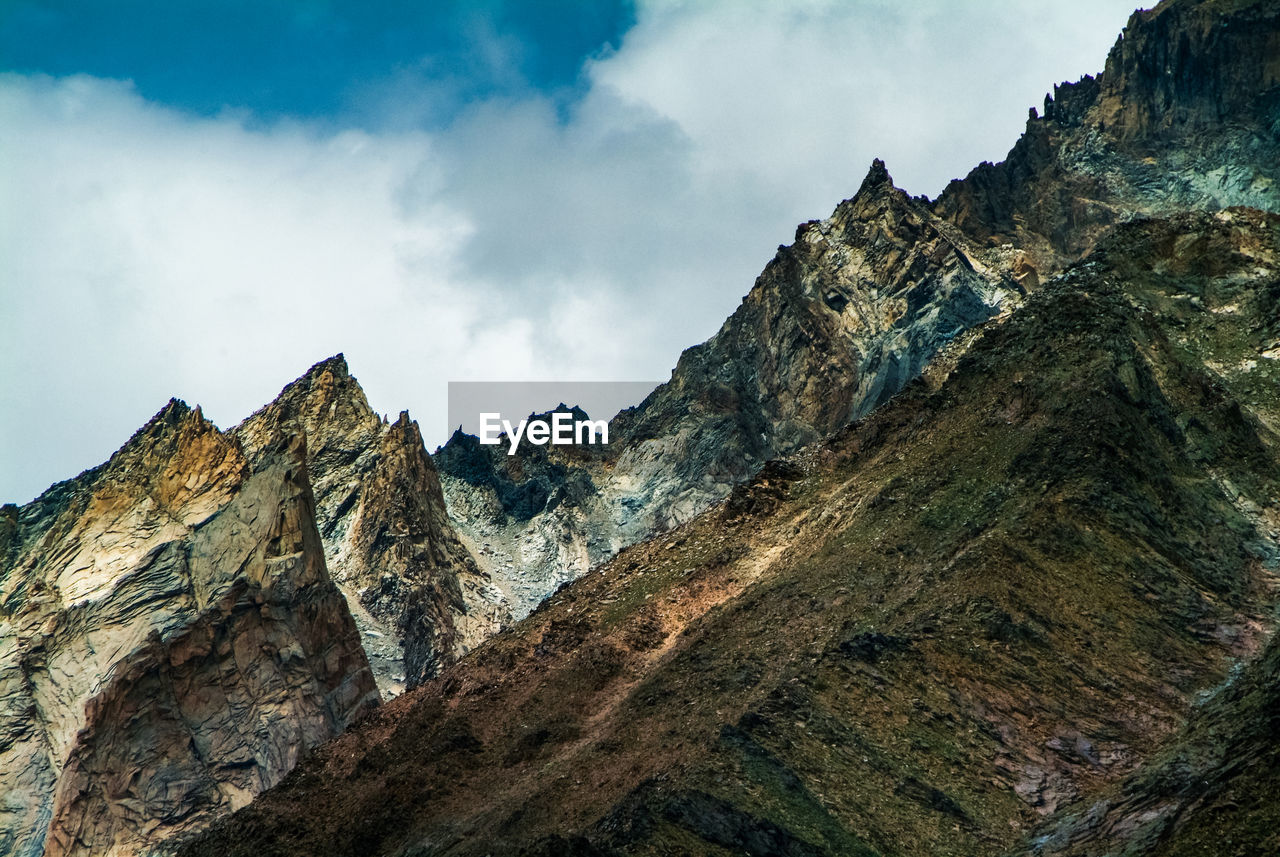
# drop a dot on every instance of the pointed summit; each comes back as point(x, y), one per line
point(877, 176)
point(167, 422)
point(327, 404)
point(371, 477)
point(337, 364)
point(876, 191)
point(138, 564)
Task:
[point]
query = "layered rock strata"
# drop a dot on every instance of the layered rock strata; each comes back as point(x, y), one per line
point(415, 589)
point(170, 641)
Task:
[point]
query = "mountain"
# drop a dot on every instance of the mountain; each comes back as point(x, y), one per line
point(176, 625)
point(959, 537)
point(960, 617)
point(1022, 606)
point(170, 641)
point(415, 589)
point(1186, 116)
point(836, 324)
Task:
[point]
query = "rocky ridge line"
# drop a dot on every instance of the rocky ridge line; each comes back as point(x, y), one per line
point(1185, 116)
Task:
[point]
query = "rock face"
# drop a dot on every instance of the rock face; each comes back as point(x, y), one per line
point(535, 521)
point(945, 627)
point(836, 324)
point(839, 322)
point(1186, 116)
point(382, 519)
point(1016, 608)
point(170, 641)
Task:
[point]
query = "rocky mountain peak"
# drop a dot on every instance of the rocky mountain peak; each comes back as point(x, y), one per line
point(1024, 512)
point(1070, 102)
point(836, 324)
point(878, 198)
point(877, 178)
point(416, 592)
point(1184, 117)
point(847, 315)
point(1190, 67)
point(170, 618)
point(336, 365)
point(989, 604)
point(175, 421)
point(327, 404)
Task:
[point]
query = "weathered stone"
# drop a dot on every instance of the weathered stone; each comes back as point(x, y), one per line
point(171, 642)
point(1185, 117)
point(382, 519)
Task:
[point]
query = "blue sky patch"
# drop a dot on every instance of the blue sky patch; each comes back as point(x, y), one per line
point(315, 59)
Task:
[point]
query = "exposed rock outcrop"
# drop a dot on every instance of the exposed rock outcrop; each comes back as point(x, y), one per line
point(836, 324)
point(1186, 115)
point(1071, 522)
point(536, 520)
point(1216, 790)
point(170, 641)
point(415, 589)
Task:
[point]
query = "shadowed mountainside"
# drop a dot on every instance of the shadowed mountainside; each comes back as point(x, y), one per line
point(991, 598)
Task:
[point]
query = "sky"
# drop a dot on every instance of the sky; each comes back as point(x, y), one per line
point(202, 199)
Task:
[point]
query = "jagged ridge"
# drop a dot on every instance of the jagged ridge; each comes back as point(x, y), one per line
point(382, 518)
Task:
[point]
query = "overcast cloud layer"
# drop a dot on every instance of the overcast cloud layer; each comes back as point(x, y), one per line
point(147, 253)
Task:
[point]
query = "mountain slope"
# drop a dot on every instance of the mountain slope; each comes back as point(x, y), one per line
point(1215, 791)
point(836, 324)
point(951, 628)
point(994, 595)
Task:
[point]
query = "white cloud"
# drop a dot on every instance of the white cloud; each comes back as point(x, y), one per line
point(146, 253)
point(150, 254)
point(804, 94)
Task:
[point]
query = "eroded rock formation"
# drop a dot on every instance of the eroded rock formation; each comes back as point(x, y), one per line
point(1073, 520)
point(383, 523)
point(988, 606)
point(1186, 115)
point(170, 641)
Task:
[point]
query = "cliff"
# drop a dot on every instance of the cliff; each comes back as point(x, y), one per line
point(382, 520)
point(171, 642)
